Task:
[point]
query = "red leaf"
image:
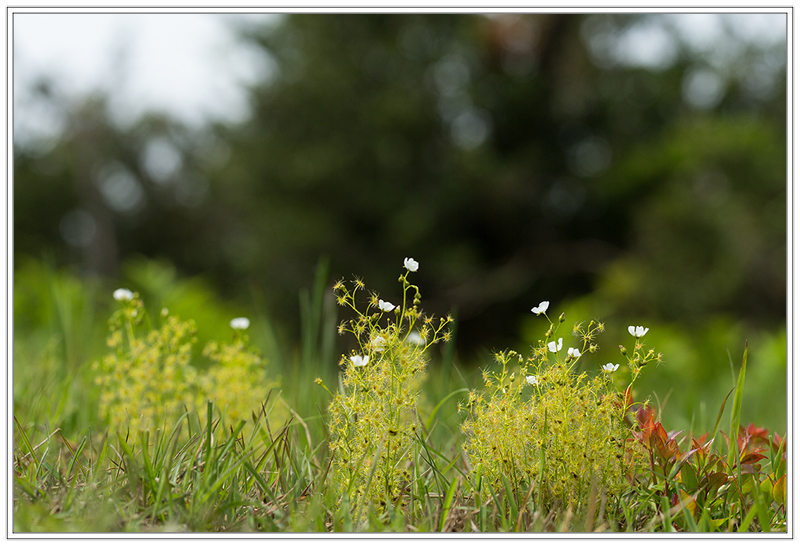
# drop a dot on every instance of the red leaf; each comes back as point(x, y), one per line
point(751, 458)
point(777, 441)
point(753, 430)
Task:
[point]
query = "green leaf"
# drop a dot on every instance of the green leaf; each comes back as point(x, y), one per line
point(779, 490)
point(689, 476)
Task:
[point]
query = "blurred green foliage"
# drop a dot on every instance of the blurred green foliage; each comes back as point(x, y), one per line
point(517, 157)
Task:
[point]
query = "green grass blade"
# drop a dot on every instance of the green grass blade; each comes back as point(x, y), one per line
point(98, 465)
point(448, 501)
point(26, 441)
point(429, 422)
point(259, 480)
point(748, 519)
point(719, 415)
point(733, 447)
point(73, 452)
point(761, 511)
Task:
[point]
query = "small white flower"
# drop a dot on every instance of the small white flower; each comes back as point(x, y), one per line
point(378, 343)
point(608, 368)
point(240, 323)
point(554, 348)
point(359, 360)
point(541, 308)
point(415, 338)
point(574, 353)
point(637, 331)
point(385, 306)
point(123, 294)
point(531, 379)
point(411, 264)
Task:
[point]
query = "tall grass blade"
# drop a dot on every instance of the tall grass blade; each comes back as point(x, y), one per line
point(430, 420)
point(719, 415)
point(73, 452)
point(748, 519)
point(26, 441)
point(448, 501)
point(733, 445)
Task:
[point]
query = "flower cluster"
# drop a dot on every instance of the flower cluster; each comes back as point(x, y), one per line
point(148, 379)
point(539, 421)
point(638, 358)
point(373, 421)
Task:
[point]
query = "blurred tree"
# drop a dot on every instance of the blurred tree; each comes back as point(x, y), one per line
point(517, 157)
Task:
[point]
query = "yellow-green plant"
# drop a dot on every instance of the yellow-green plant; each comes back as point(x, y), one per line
point(237, 383)
point(540, 429)
point(148, 380)
point(372, 418)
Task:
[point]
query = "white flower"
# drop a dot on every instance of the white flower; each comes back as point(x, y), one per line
point(541, 308)
point(415, 338)
point(554, 348)
point(385, 306)
point(359, 360)
point(637, 331)
point(123, 294)
point(531, 379)
point(378, 343)
point(240, 323)
point(608, 368)
point(411, 264)
point(574, 353)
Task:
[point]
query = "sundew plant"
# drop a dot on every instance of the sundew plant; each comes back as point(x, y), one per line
point(540, 429)
point(373, 417)
point(148, 380)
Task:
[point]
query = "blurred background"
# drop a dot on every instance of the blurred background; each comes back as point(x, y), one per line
point(628, 168)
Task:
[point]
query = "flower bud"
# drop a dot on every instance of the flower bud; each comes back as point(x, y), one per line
point(623, 350)
point(561, 318)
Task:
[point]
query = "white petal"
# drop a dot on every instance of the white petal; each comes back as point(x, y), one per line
point(541, 308)
point(378, 343)
point(123, 294)
point(632, 330)
point(240, 323)
point(359, 360)
point(411, 264)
